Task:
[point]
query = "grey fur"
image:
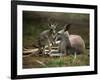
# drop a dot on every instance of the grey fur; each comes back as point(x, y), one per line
point(70, 43)
point(47, 37)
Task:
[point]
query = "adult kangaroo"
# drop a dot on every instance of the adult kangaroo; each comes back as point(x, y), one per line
point(70, 44)
point(46, 38)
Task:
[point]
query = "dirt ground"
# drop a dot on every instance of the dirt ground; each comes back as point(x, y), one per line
point(31, 61)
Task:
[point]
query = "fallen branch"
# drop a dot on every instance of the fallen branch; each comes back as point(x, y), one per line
point(33, 51)
point(29, 51)
point(40, 62)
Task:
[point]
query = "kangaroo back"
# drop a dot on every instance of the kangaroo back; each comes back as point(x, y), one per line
point(77, 43)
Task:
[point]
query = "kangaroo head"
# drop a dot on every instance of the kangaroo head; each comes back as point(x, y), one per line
point(67, 27)
point(52, 28)
point(63, 33)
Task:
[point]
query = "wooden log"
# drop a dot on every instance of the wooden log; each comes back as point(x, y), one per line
point(56, 55)
point(33, 51)
point(29, 51)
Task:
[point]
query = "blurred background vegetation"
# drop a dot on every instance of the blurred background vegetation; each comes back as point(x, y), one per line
point(35, 22)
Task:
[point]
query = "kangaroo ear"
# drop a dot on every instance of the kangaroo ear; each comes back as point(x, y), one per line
point(49, 25)
point(66, 27)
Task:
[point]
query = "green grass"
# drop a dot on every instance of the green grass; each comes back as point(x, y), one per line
point(81, 60)
point(64, 61)
point(55, 63)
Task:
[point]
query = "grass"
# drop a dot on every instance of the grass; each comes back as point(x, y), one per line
point(81, 60)
point(64, 61)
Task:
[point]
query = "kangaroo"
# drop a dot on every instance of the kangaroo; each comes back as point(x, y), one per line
point(46, 38)
point(64, 44)
point(70, 43)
